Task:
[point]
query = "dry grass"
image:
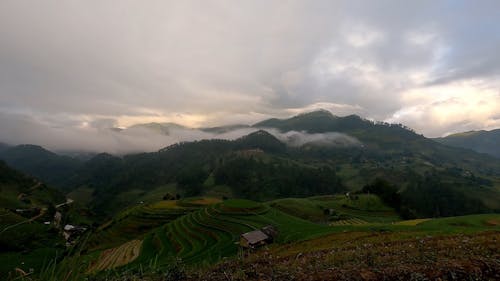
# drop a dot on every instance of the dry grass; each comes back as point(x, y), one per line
point(493, 222)
point(354, 221)
point(117, 257)
point(165, 204)
point(411, 222)
point(206, 201)
point(365, 256)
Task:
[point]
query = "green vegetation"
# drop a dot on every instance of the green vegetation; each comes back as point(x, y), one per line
point(208, 235)
point(460, 247)
point(51, 168)
point(134, 222)
point(261, 167)
point(480, 141)
point(211, 233)
point(177, 206)
point(330, 209)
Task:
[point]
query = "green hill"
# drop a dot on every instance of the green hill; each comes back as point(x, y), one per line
point(323, 121)
point(211, 233)
point(449, 248)
point(136, 221)
point(480, 141)
point(20, 191)
point(338, 209)
point(51, 168)
point(25, 203)
point(261, 167)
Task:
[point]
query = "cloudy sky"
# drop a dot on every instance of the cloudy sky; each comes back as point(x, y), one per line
point(84, 65)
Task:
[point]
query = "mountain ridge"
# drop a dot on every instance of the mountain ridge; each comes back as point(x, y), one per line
point(481, 141)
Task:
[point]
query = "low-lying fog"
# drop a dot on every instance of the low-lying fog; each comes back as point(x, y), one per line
point(100, 138)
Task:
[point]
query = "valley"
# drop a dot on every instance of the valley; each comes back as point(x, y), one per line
point(226, 140)
point(182, 211)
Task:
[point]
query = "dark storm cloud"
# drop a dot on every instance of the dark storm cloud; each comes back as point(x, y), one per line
point(73, 64)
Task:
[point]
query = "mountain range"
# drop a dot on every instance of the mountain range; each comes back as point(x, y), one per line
point(309, 154)
point(313, 176)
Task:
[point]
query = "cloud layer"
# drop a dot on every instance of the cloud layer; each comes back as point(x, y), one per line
point(66, 67)
point(101, 136)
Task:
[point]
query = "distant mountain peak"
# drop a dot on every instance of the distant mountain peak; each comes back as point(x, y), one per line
point(259, 133)
point(162, 128)
point(261, 139)
point(317, 113)
point(31, 148)
point(224, 129)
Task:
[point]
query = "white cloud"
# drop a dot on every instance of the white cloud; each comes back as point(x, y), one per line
point(359, 35)
point(221, 62)
point(460, 106)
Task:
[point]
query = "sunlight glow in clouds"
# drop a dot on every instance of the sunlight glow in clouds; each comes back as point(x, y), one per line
point(470, 104)
point(93, 64)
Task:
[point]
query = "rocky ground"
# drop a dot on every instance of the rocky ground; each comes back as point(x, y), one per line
point(457, 257)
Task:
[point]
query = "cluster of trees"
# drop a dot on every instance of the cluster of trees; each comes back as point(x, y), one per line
point(427, 196)
point(191, 180)
point(430, 196)
point(260, 179)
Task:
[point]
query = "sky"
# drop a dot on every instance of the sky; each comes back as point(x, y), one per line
point(69, 69)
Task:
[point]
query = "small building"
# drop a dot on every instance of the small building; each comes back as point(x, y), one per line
point(72, 232)
point(253, 239)
point(256, 238)
point(68, 227)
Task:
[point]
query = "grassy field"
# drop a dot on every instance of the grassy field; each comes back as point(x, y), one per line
point(359, 236)
point(456, 248)
point(356, 208)
point(25, 244)
point(82, 195)
point(117, 257)
point(202, 231)
point(208, 235)
point(212, 233)
point(134, 222)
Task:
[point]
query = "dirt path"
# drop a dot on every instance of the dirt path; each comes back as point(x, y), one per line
point(40, 214)
point(37, 185)
point(68, 201)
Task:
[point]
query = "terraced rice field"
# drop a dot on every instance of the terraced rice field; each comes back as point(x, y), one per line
point(117, 257)
point(412, 222)
point(354, 221)
point(134, 223)
point(211, 233)
point(365, 207)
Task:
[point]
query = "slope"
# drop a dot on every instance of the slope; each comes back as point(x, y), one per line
point(480, 141)
point(51, 168)
point(212, 233)
point(25, 242)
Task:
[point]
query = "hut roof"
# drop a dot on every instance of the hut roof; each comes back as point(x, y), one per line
point(254, 236)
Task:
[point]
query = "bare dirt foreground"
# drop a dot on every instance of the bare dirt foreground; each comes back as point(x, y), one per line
point(381, 256)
